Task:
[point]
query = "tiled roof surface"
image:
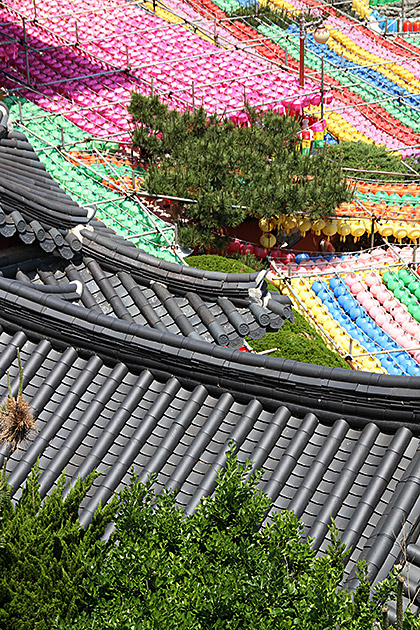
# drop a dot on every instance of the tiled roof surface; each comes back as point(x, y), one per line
point(124, 365)
point(32, 204)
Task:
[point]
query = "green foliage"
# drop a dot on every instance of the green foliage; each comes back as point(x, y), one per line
point(194, 236)
point(219, 263)
point(222, 568)
point(298, 341)
point(233, 172)
point(250, 261)
point(239, 263)
point(368, 157)
point(45, 554)
point(255, 14)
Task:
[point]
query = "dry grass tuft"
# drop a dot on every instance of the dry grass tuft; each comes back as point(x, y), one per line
point(17, 423)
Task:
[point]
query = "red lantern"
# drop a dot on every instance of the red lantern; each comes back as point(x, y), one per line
point(407, 26)
point(233, 246)
point(259, 252)
point(289, 258)
point(416, 26)
point(275, 253)
point(247, 248)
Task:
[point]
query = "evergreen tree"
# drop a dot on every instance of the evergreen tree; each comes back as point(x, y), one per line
point(233, 172)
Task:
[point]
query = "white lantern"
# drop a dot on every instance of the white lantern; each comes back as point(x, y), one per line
point(321, 35)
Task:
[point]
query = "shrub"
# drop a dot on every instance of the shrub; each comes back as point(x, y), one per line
point(298, 341)
point(221, 568)
point(45, 554)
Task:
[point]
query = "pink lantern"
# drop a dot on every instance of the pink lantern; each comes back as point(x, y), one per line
point(371, 279)
point(383, 295)
point(390, 303)
point(375, 289)
point(351, 279)
point(358, 289)
point(381, 318)
point(391, 329)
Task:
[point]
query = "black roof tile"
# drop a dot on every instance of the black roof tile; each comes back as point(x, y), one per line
point(121, 369)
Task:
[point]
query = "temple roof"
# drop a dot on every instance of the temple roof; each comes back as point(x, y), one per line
point(131, 361)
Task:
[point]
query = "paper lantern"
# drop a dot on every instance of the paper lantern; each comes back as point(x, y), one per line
point(233, 246)
point(267, 240)
point(266, 225)
point(247, 248)
point(385, 229)
point(414, 232)
point(344, 229)
point(399, 230)
point(321, 35)
point(318, 225)
point(289, 223)
point(330, 229)
point(259, 252)
point(304, 225)
point(357, 229)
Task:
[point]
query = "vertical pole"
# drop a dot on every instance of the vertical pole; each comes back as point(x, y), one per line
point(301, 51)
point(341, 61)
point(77, 33)
point(133, 178)
point(285, 56)
point(20, 111)
point(350, 347)
point(151, 87)
point(386, 26)
point(25, 41)
point(372, 236)
point(322, 88)
point(414, 253)
point(154, 6)
point(192, 96)
point(216, 37)
point(127, 58)
point(62, 136)
point(34, 3)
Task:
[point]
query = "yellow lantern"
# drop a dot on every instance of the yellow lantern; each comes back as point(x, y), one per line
point(368, 226)
point(266, 225)
point(289, 223)
point(386, 229)
point(267, 240)
point(304, 225)
point(414, 232)
point(330, 229)
point(357, 229)
point(343, 229)
point(318, 226)
point(399, 230)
